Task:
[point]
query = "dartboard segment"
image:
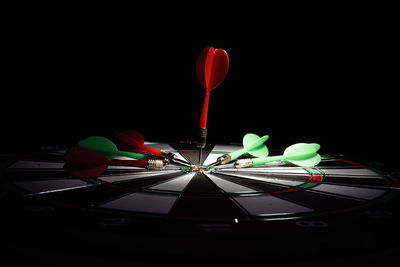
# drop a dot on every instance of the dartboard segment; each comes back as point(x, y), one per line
point(142, 202)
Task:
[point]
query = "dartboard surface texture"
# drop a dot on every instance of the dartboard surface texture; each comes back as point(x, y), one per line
point(274, 211)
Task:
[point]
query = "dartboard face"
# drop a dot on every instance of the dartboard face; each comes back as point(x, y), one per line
point(264, 202)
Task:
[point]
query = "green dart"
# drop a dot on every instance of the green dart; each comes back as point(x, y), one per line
point(108, 148)
point(301, 154)
point(252, 144)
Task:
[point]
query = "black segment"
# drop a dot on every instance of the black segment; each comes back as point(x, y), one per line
point(202, 199)
point(339, 163)
point(319, 201)
point(378, 182)
point(200, 185)
point(44, 156)
point(254, 184)
point(208, 208)
point(29, 174)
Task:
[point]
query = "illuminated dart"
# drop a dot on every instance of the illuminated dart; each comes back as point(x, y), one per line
point(86, 163)
point(133, 141)
point(211, 68)
point(252, 144)
point(301, 154)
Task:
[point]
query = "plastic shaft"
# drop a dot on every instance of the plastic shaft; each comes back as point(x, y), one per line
point(261, 161)
point(132, 155)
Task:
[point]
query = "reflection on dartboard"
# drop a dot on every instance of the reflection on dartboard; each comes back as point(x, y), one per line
point(198, 192)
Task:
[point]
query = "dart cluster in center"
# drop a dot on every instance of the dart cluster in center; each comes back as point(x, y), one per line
point(94, 154)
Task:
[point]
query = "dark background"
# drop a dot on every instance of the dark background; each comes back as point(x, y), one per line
point(323, 74)
point(299, 76)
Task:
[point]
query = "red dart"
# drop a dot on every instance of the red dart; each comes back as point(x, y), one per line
point(133, 141)
point(211, 68)
point(86, 163)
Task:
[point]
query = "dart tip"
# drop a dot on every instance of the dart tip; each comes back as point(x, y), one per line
point(213, 164)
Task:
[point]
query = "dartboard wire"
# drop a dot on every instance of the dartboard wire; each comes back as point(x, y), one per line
point(30, 194)
point(134, 176)
point(284, 175)
point(368, 186)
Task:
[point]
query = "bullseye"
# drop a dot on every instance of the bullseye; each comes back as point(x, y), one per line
point(198, 169)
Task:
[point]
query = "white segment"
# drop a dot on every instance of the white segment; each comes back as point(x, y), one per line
point(351, 191)
point(219, 150)
point(127, 177)
point(228, 186)
point(267, 179)
point(143, 202)
point(28, 164)
point(49, 186)
point(176, 184)
point(362, 172)
point(269, 205)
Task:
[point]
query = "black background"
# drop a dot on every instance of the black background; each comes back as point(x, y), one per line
point(297, 75)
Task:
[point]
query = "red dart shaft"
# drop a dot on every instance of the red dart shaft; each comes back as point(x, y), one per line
point(204, 111)
point(153, 151)
point(128, 163)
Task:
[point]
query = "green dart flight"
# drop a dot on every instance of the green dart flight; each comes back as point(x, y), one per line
point(252, 144)
point(108, 148)
point(301, 154)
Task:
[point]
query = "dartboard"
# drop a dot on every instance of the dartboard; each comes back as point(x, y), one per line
point(271, 206)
